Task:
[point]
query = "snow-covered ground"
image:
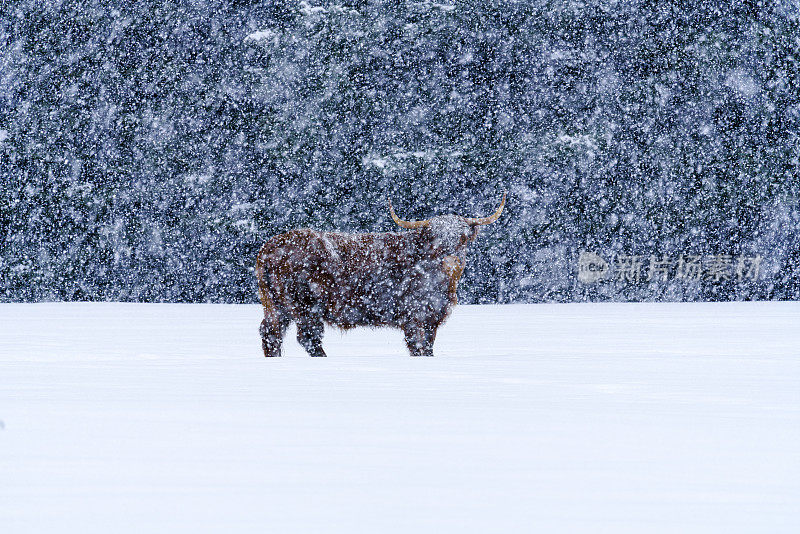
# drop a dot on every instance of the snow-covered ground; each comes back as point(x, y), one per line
point(531, 418)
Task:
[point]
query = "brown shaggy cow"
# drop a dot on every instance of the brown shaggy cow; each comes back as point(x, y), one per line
point(405, 280)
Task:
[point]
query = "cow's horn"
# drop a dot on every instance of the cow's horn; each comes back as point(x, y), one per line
point(410, 225)
point(490, 219)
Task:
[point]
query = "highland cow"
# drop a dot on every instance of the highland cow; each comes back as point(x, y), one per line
point(405, 280)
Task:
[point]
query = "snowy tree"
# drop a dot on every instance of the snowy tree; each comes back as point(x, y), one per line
point(148, 149)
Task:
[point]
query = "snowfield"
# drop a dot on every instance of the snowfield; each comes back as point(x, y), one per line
point(531, 418)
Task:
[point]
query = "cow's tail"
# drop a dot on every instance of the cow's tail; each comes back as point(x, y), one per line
point(264, 293)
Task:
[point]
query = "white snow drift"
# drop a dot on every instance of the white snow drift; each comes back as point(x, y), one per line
point(531, 418)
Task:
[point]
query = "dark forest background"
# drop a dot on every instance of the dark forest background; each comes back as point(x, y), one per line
point(148, 148)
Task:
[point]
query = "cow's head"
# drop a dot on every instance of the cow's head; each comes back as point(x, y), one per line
point(448, 235)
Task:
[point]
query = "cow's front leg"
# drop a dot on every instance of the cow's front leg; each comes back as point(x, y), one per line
point(453, 268)
point(419, 339)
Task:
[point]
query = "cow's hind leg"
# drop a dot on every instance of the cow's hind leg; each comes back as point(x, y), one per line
point(273, 326)
point(309, 334)
point(272, 332)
